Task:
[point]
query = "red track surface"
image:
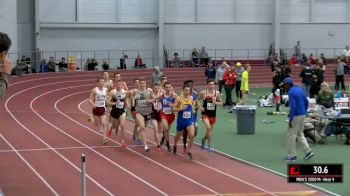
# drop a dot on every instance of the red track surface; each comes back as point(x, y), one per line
point(44, 132)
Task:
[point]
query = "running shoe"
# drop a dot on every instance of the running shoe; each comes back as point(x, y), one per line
point(162, 141)
point(124, 145)
point(190, 156)
point(146, 149)
point(168, 146)
point(174, 150)
point(309, 155)
point(109, 133)
point(184, 151)
point(210, 149)
point(105, 141)
point(203, 143)
point(290, 159)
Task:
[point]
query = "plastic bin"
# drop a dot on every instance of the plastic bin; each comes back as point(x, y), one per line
point(246, 119)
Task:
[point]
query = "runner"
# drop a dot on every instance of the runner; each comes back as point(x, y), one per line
point(194, 93)
point(144, 99)
point(117, 76)
point(184, 106)
point(117, 100)
point(136, 129)
point(211, 98)
point(167, 115)
point(97, 99)
point(157, 108)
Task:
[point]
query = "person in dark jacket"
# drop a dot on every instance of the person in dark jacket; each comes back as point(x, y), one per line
point(210, 71)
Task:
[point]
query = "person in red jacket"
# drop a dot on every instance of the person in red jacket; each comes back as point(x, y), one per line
point(230, 79)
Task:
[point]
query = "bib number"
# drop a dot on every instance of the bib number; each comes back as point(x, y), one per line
point(157, 106)
point(142, 103)
point(120, 105)
point(210, 106)
point(167, 110)
point(187, 115)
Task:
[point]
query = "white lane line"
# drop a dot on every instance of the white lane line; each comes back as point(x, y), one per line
point(98, 153)
point(153, 161)
point(200, 163)
point(30, 166)
point(235, 158)
point(42, 141)
point(67, 148)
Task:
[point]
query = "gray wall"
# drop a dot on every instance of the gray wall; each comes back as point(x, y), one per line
point(8, 21)
point(25, 25)
point(237, 24)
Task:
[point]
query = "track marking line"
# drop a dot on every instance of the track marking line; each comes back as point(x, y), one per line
point(30, 167)
point(42, 141)
point(69, 148)
point(96, 152)
point(153, 161)
point(198, 162)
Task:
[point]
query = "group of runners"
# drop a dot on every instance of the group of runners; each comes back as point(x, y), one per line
point(158, 104)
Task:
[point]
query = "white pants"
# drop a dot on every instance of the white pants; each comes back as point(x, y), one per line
point(297, 132)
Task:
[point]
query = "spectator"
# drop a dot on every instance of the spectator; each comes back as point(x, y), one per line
point(322, 60)
point(346, 54)
point(219, 78)
point(51, 65)
point(239, 71)
point(303, 59)
point(339, 72)
point(156, 76)
point(86, 65)
point(306, 75)
point(123, 62)
point(317, 76)
point(5, 63)
point(194, 57)
point(298, 108)
point(203, 55)
point(62, 65)
point(293, 60)
point(138, 62)
point(210, 71)
point(277, 78)
point(245, 85)
point(92, 65)
point(297, 52)
point(177, 60)
point(312, 59)
point(230, 79)
point(272, 61)
point(43, 66)
point(105, 65)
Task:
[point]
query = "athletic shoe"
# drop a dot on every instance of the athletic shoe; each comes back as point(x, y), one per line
point(162, 141)
point(124, 145)
point(184, 151)
point(158, 147)
point(104, 141)
point(210, 149)
point(109, 133)
point(190, 155)
point(203, 143)
point(174, 150)
point(138, 142)
point(168, 146)
point(289, 159)
point(309, 155)
point(133, 136)
point(146, 149)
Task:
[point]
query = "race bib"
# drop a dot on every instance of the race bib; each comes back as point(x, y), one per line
point(120, 105)
point(157, 106)
point(167, 110)
point(142, 103)
point(210, 106)
point(187, 115)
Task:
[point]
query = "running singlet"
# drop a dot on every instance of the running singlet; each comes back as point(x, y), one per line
point(209, 106)
point(100, 97)
point(141, 105)
point(166, 104)
point(185, 116)
point(119, 97)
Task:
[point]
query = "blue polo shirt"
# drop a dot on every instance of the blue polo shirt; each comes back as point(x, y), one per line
point(298, 102)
